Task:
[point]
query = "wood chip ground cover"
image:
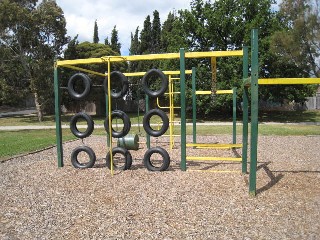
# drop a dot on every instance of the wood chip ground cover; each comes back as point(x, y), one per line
point(41, 201)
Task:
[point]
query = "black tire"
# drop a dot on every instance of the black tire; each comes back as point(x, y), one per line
point(117, 76)
point(125, 153)
point(147, 159)
point(147, 126)
point(89, 151)
point(75, 130)
point(87, 86)
point(164, 83)
point(126, 123)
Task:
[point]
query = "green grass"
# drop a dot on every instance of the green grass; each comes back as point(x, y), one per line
point(266, 130)
point(274, 116)
point(50, 120)
point(18, 142)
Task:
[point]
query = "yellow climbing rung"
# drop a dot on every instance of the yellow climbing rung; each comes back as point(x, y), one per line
point(199, 92)
point(195, 158)
point(214, 145)
point(272, 81)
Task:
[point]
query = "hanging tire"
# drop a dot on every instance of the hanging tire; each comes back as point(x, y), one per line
point(76, 131)
point(164, 83)
point(117, 76)
point(165, 159)
point(147, 126)
point(74, 157)
point(126, 123)
point(125, 153)
point(71, 86)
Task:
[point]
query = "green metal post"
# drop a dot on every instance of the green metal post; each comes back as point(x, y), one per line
point(58, 117)
point(254, 112)
point(194, 106)
point(245, 111)
point(147, 109)
point(234, 115)
point(183, 109)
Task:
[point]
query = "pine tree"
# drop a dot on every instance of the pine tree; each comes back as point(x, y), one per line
point(106, 41)
point(146, 37)
point(156, 33)
point(115, 45)
point(135, 44)
point(95, 33)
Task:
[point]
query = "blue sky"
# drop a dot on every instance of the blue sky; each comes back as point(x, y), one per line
point(126, 15)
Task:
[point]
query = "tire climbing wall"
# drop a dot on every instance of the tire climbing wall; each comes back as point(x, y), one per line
point(119, 78)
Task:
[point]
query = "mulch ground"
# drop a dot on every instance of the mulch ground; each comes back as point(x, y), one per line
point(41, 201)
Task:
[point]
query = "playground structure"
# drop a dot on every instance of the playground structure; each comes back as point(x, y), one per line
point(251, 82)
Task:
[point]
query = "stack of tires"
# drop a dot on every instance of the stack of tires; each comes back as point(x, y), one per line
point(155, 73)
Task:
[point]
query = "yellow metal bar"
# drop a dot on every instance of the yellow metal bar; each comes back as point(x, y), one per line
point(274, 81)
point(218, 145)
point(139, 74)
point(109, 114)
point(214, 171)
point(200, 92)
point(196, 158)
point(158, 104)
point(85, 70)
point(237, 53)
point(170, 112)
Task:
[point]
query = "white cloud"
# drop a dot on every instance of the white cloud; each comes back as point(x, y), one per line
point(126, 15)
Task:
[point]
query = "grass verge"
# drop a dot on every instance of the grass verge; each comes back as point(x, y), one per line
point(19, 142)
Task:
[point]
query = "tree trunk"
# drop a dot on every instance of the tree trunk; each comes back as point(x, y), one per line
point(38, 107)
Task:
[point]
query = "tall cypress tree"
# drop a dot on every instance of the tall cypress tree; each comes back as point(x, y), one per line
point(95, 33)
point(156, 33)
point(146, 36)
point(115, 45)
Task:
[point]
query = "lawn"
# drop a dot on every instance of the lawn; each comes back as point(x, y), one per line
point(18, 142)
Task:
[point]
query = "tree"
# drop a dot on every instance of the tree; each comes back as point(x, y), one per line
point(76, 50)
point(106, 41)
point(95, 33)
point(156, 33)
point(35, 36)
point(299, 41)
point(146, 37)
point(115, 45)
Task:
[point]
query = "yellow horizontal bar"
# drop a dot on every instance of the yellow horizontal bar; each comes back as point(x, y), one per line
point(195, 158)
point(199, 92)
point(271, 81)
point(138, 74)
point(236, 53)
point(218, 145)
point(214, 171)
point(85, 70)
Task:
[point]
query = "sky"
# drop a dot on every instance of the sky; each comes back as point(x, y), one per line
point(127, 15)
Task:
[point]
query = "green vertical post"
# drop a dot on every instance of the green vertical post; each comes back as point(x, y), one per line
point(147, 109)
point(194, 106)
point(254, 112)
point(183, 109)
point(57, 102)
point(234, 115)
point(245, 111)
